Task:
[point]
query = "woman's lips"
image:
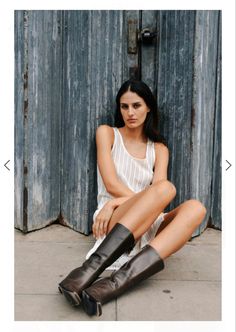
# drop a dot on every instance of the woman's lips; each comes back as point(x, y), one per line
point(131, 120)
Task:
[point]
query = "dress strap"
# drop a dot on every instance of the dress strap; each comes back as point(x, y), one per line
point(116, 136)
point(151, 153)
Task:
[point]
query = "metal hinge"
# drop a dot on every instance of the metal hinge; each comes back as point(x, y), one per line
point(135, 36)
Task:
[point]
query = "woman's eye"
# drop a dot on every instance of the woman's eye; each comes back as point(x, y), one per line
point(136, 105)
point(124, 107)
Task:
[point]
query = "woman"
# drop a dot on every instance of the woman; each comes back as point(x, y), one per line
point(133, 192)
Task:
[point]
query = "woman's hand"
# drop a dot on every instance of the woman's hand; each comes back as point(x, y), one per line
point(102, 220)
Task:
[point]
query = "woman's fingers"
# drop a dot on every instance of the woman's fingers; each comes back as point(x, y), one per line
point(95, 230)
point(102, 220)
point(99, 228)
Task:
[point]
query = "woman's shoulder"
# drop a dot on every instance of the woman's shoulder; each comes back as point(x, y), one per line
point(161, 149)
point(105, 132)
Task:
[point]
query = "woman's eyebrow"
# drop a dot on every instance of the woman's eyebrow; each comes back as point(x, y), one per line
point(136, 102)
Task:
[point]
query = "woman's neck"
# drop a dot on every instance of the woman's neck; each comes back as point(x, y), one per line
point(134, 134)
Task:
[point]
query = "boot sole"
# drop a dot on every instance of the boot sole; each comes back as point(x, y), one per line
point(72, 297)
point(90, 305)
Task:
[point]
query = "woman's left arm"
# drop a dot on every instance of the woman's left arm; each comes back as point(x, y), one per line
point(103, 218)
point(101, 223)
point(161, 162)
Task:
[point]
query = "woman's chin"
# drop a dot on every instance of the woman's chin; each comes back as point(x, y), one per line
point(133, 125)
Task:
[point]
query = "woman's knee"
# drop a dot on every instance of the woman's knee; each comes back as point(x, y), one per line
point(197, 208)
point(165, 187)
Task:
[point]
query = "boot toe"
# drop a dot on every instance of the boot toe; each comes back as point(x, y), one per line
point(72, 297)
point(90, 305)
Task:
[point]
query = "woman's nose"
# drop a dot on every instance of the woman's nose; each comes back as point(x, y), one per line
point(130, 111)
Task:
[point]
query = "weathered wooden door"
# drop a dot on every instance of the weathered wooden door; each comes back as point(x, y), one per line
point(183, 67)
point(69, 66)
point(38, 89)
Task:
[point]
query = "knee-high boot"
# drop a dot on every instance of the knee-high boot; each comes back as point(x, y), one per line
point(146, 263)
point(119, 240)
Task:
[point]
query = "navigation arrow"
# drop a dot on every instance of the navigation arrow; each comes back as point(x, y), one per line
point(6, 165)
point(229, 165)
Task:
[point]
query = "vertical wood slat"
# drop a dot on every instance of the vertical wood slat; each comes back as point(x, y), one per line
point(131, 62)
point(93, 53)
point(216, 210)
point(149, 58)
point(19, 119)
point(41, 114)
point(174, 94)
point(204, 103)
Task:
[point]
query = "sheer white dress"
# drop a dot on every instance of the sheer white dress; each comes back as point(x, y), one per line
point(137, 174)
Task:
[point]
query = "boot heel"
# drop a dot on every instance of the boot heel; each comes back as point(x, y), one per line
point(72, 297)
point(112, 247)
point(140, 267)
point(90, 305)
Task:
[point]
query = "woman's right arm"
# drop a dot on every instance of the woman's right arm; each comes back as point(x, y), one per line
point(104, 141)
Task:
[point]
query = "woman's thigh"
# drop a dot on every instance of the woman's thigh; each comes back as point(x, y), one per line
point(142, 209)
point(121, 210)
point(181, 209)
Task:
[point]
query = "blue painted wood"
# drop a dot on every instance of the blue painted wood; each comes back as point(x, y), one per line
point(204, 110)
point(216, 207)
point(150, 19)
point(19, 118)
point(174, 94)
point(38, 161)
point(93, 55)
point(182, 70)
point(69, 66)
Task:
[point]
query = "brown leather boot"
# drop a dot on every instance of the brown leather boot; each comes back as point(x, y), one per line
point(146, 263)
point(119, 240)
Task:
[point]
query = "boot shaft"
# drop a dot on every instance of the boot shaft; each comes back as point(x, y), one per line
point(143, 265)
point(119, 240)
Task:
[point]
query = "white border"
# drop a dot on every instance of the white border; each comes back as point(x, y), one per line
point(7, 178)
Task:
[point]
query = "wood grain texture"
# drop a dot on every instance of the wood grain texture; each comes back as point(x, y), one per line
point(19, 118)
point(69, 67)
point(216, 203)
point(41, 118)
point(204, 108)
point(174, 94)
point(93, 55)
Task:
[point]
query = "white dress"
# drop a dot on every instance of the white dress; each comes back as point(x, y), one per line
point(137, 174)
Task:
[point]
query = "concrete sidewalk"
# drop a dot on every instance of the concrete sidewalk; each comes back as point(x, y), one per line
point(189, 288)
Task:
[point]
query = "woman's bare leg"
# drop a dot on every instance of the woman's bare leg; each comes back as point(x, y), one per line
point(140, 211)
point(177, 227)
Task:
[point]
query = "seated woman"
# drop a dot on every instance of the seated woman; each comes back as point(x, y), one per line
point(134, 235)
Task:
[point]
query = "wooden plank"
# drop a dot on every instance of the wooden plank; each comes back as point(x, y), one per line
point(19, 119)
point(216, 209)
point(131, 61)
point(174, 94)
point(204, 98)
point(42, 119)
point(93, 70)
point(149, 51)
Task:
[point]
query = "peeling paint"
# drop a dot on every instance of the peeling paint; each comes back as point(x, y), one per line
point(66, 81)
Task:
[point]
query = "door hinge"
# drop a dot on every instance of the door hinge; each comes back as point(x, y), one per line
point(135, 36)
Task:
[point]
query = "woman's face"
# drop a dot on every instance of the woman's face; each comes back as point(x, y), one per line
point(133, 109)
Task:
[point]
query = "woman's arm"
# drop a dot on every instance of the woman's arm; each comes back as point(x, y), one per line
point(120, 192)
point(161, 162)
point(102, 220)
point(160, 173)
point(104, 141)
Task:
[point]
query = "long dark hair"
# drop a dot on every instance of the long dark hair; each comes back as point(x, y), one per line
point(152, 119)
